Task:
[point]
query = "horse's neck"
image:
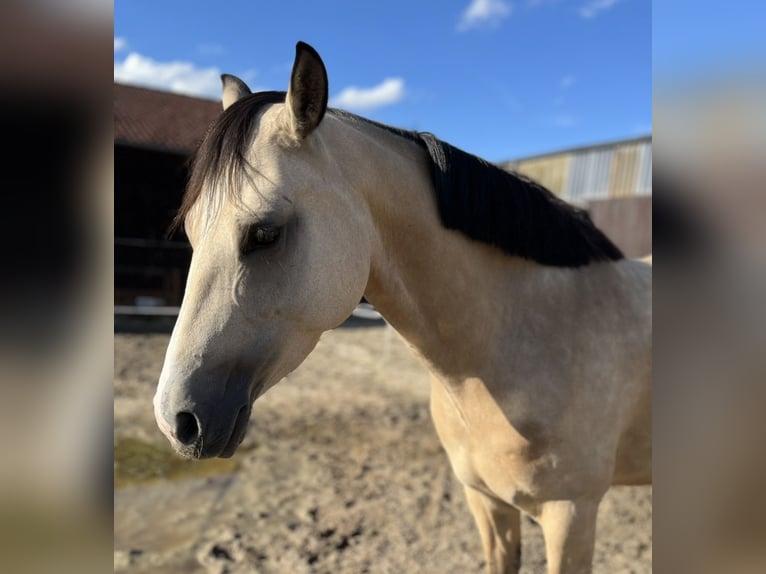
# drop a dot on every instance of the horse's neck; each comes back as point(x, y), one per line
point(445, 294)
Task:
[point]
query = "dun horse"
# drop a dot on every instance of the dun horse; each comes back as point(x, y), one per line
point(535, 327)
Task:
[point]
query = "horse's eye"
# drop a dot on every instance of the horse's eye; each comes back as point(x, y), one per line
point(259, 237)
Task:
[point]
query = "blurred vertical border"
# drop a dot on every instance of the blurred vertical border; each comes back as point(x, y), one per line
point(709, 68)
point(56, 221)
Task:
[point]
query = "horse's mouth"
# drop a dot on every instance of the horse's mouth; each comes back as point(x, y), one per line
point(237, 433)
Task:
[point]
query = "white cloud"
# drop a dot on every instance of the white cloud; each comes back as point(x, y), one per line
point(567, 81)
point(594, 7)
point(119, 43)
point(483, 12)
point(179, 77)
point(389, 91)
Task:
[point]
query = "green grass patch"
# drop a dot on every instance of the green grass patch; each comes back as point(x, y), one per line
point(138, 462)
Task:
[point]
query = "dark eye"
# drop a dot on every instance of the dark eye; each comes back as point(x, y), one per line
point(260, 237)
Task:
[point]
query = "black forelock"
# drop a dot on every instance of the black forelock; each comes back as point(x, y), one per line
point(223, 150)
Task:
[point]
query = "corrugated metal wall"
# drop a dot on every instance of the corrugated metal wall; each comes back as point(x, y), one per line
point(645, 170)
point(619, 169)
point(550, 171)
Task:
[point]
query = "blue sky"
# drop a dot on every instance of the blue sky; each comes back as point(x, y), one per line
point(499, 78)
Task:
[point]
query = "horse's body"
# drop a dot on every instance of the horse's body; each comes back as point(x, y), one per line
point(541, 372)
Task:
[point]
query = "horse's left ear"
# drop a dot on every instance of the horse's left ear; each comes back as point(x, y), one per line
point(307, 94)
point(234, 90)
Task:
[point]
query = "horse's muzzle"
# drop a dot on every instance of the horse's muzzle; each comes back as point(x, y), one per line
point(197, 434)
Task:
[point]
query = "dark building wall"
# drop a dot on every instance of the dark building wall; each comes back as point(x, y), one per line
point(627, 221)
point(149, 186)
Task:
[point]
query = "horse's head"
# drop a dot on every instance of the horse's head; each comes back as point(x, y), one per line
point(281, 254)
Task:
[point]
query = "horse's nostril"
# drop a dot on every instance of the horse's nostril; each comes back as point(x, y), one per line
point(187, 429)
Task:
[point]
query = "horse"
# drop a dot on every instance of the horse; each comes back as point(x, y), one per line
point(535, 327)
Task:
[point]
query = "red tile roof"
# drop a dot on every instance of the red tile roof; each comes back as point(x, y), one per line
point(173, 122)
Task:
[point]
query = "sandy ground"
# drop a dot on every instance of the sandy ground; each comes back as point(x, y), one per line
point(341, 472)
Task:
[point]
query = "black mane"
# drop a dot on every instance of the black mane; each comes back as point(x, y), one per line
point(516, 214)
point(474, 197)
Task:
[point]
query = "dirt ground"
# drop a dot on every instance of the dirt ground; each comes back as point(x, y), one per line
point(341, 472)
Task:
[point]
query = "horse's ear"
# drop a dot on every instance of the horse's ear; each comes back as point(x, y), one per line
point(234, 90)
point(307, 94)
